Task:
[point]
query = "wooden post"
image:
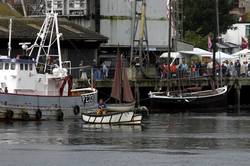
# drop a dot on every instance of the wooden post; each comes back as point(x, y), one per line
point(137, 95)
point(92, 77)
point(137, 91)
point(237, 96)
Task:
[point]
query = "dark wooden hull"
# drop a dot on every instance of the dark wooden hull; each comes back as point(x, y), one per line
point(216, 103)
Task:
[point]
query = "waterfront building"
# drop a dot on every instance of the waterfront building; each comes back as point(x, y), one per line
point(113, 18)
point(237, 32)
point(78, 43)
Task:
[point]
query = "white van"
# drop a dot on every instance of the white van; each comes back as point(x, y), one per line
point(178, 58)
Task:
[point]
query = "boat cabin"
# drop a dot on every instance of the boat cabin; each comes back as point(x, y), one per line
point(22, 76)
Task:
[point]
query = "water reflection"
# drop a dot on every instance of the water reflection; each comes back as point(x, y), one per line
point(159, 131)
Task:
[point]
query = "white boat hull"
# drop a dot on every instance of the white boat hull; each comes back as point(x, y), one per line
point(49, 106)
point(120, 107)
point(128, 117)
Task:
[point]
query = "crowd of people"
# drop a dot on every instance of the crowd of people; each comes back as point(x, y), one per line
point(236, 69)
point(198, 69)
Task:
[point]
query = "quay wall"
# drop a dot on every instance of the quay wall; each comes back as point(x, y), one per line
point(146, 85)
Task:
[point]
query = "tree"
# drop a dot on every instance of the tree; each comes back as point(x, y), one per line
point(200, 16)
point(195, 39)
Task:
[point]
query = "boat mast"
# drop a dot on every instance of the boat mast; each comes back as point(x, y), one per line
point(169, 42)
point(218, 36)
point(50, 26)
point(10, 32)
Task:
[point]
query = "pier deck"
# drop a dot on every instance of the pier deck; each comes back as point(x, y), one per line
point(152, 83)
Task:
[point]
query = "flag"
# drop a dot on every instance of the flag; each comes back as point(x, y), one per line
point(209, 43)
point(244, 43)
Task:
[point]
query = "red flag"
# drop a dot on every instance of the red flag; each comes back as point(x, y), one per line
point(244, 43)
point(209, 43)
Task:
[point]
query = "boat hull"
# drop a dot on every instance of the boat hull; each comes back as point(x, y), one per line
point(127, 117)
point(49, 107)
point(216, 102)
point(120, 107)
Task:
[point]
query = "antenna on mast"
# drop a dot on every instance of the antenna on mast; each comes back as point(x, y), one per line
point(10, 32)
point(52, 6)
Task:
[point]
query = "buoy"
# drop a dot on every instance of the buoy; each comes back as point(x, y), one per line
point(9, 114)
point(25, 116)
point(59, 115)
point(76, 110)
point(38, 114)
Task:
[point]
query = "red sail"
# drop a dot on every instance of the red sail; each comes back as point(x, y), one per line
point(116, 87)
point(127, 93)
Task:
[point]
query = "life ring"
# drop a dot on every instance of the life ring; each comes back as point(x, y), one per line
point(25, 116)
point(76, 110)
point(38, 114)
point(9, 114)
point(59, 115)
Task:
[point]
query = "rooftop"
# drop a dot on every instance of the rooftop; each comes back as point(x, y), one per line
point(27, 28)
point(8, 11)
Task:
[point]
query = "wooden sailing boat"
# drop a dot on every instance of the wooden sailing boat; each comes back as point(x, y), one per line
point(121, 90)
point(121, 112)
point(172, 101)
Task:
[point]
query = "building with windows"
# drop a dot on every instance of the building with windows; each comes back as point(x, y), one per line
point(241, 7)
point(81, 12)
point(236, 33)
point(115, 19)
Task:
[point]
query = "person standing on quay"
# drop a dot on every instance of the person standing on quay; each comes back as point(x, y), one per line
point(210, 68)
point(237, 66)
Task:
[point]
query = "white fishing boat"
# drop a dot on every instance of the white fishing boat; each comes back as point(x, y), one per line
point(41, 87)
point(125, 117)
point(121, 90)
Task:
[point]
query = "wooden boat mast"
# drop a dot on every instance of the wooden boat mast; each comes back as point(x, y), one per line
point(218, 35)
point(169, 43)
point(216, 38)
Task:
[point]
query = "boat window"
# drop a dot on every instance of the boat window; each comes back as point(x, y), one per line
point(21, 66)
point(7, 66)
point(1, 66)
point(26, 66)
point(12, 66)
point(30, 67)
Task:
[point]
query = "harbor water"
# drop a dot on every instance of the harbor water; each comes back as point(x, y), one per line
point(193, 139)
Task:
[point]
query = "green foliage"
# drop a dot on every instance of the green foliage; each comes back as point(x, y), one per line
point(200, 16)
point(195, 39)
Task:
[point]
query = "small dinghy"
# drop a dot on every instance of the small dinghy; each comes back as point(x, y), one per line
point(126, 117)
